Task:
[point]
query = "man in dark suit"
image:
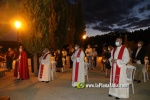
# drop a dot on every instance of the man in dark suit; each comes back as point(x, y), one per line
point(70, 54)
point(138, 60)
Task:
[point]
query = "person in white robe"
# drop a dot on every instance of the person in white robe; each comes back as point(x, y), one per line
point(44, 70)
point(118, 60)
point(78, 66)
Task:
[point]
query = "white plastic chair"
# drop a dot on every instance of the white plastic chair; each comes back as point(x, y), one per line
point(85, 60)
point(67, 60)
point(53, 69)
point(86, 70)
point(130, 75)
point(3, 65)
point(13, 64)
point(52, 58)
point(145, 72)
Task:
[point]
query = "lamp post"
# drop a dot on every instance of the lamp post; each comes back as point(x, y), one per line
point(84, 37)
point(18, 25)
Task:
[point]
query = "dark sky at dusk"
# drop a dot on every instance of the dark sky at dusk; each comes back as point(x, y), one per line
point(103, 16)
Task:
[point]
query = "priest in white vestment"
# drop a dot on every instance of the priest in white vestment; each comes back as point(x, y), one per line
point(119, 58)
point(78, 66)
point(44, 70)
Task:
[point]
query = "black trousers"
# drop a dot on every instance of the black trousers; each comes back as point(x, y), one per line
point(71, 63)
point(9, 64)
point(95, 61)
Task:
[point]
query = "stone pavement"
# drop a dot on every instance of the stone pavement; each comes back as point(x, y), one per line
point(61, 89)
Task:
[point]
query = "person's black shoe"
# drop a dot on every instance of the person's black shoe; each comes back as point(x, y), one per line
point(47, 81)
point(135, 80)
point(138, 81)
point(117, 98)
point(42, 81)
point(109, 95)
point(58, 71)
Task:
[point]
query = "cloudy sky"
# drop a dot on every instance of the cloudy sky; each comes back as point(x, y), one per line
point(103, 16)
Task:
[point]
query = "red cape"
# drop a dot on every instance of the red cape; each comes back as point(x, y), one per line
point(23, 66)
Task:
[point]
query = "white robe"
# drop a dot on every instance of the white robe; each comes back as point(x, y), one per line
point(46, 70)
point(81, 76)
point(120, 92)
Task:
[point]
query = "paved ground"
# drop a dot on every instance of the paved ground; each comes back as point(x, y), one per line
point(61, 89)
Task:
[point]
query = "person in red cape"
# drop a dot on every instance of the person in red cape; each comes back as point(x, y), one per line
point(78, 66)
point(21, 69)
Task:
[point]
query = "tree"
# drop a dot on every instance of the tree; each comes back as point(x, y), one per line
point(45, 24)
point(71, 25)
point(66, 22)
point(58, 21)
point(36, 15)
point(76, 25)
point(79, 24)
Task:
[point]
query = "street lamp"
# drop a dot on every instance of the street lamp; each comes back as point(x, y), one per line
point(18, 25)
point(83, 37)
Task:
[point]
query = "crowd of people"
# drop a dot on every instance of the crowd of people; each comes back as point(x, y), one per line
point(114, 62)
point(7, 58)
point(21, 70)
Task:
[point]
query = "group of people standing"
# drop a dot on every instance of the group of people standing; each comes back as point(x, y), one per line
point(114, 59)
point(91, 55)
point(21, 71)
point(77, 61)
point(119, 59)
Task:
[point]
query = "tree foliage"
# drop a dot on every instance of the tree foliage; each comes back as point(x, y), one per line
point(36, 14)
point(45, 23)
point(58, 21)
point(49, 23)
point(79, 24)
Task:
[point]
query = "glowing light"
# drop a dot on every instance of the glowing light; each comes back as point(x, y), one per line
point(18, 24)
point(84, 36)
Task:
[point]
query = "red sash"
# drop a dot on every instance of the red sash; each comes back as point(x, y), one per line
point(42, 66)
point(45, 56)
point(41, 71)
point(77, 67)
point(117, 73)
